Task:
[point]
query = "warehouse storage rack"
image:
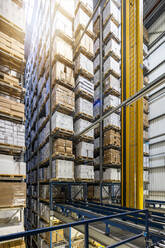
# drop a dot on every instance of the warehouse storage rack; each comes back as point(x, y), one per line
point(86, 224)
point(51, 137)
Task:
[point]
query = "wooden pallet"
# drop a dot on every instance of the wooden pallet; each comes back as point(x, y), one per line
point(65, 109)
point(111, 127)
point(97, 68)
point(110, 71)
point(113, 55)
point(84, 158)
point(112, 91)
point(83, 116)
point(62, 179)
point(64, 36)
point(12, 177)
point(62, 59)
point(62, 131)
point(111, 16)
point(84, 51)
point(111, 181)
point(84, 94)
point(96, 84)
point(85, 180)
point(63, 154)
point(11, 148)
point(63, 83)
point(88, 32)
point(84, 73)
point(110, 35)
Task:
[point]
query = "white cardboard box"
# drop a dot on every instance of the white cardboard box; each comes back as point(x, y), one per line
point(84, 106)
point(80, 125)
point(60, 120)
point(85, 149)
point(62, 169)
point(84, 171)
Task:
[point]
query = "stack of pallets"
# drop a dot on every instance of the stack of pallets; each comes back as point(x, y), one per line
point(12, 137)
point(84, 90)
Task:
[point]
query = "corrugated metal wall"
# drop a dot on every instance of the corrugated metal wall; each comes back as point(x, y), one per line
point(156, 29)
point(156, 60)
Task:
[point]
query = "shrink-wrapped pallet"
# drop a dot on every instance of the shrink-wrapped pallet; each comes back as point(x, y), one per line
point(112, 83)
point(83, 84)
point(62, 23)
point(96, 63)
point(146, 161)
point(146, 64)
point(81, 20)
point(112, 156)
point(12, 194)
point(86, 43)
point(63, 73)
point(145, 134)
point(62, 146)
point(62, 121)
point(63, 49)
point(62, 169)
point(84, 149)
point(63, 96)
point(112, 120)
point(113, 48)
point(80, 125)
point(145, 176)
point(111, 65)
point(111, 10)
point(83, 106)
point(12, 133)
point(146, 147)
point(111, 101)
point(111, 174)
point(8, 166)
point(111, 29)
point(112, 137)
point(44, 211)
point(145, 50)
point(82, 63)
point(84, 172)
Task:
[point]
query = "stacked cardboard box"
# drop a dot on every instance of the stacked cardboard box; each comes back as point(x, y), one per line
point(45, 99)
point(12, 129)
point(84, 90)
point(110, 16)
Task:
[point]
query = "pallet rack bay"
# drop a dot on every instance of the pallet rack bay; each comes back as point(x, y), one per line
point(12, 138)
point(107, 96)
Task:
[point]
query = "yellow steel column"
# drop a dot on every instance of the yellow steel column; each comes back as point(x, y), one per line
point(139, 186)
point(132, 116)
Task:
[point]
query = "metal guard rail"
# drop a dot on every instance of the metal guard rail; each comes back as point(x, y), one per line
point(86, 223)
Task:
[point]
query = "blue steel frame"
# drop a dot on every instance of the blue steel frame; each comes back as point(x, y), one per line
point(153, 203)
point(86, 223)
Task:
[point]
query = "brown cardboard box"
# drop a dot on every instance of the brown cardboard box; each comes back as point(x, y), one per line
point(12, 194)
point(8, 106)
point(112, 156)
point(63, 96)
point(62, 146)
point(13, 244)
point(63, 73)
point(112, 137)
